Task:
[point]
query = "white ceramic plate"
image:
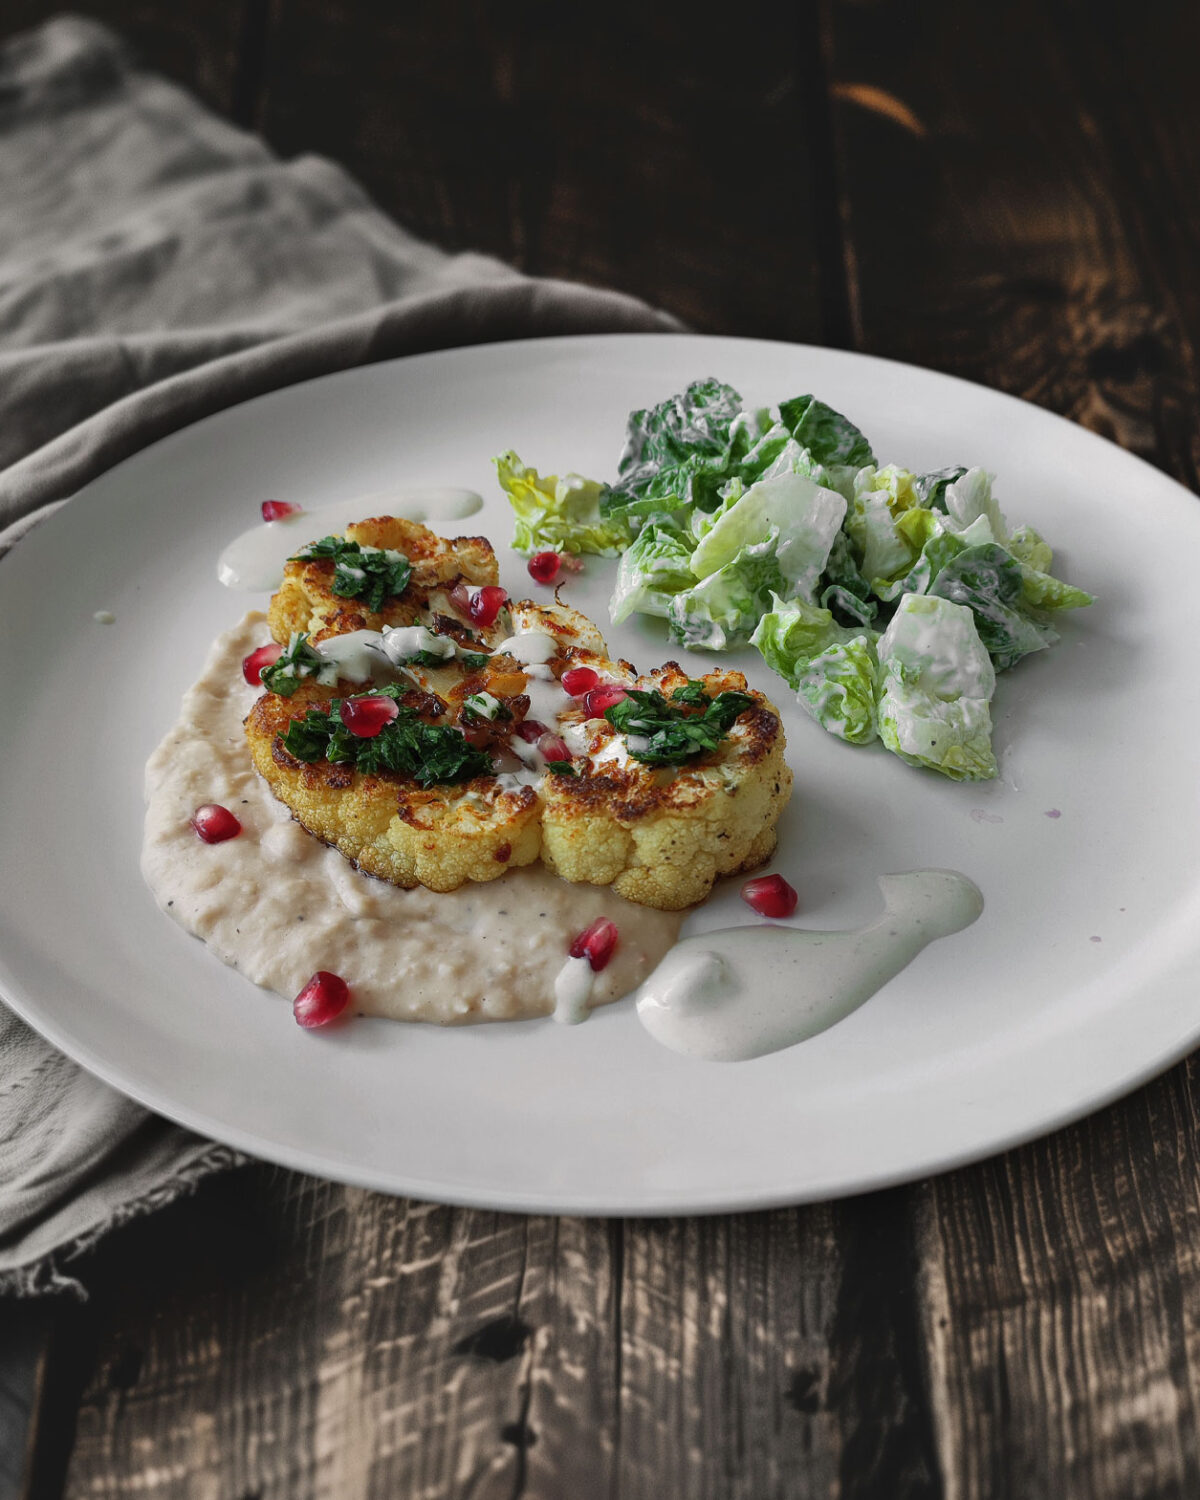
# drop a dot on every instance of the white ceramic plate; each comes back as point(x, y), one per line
point(1080, 980)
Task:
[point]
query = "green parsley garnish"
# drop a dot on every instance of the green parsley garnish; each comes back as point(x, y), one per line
point(369, 574)
point(432, 754)
point(561, 768)
point(475, 708)
point(472, 660)
point(692, 693)
point(288, 670)
point(673, 735)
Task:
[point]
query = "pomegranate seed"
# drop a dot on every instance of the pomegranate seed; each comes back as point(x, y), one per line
point(252, 665)
point(214, 823)
point(770, 896)
point(366, 717)
point(322, 999)
point(485, 605)
point(554, 747)
point(577, 680)
point(481, 606)
point(570, 562)
point(544, 567)
point(597, 699)
point(531, 730)
point(275, 510)
point(596, 943)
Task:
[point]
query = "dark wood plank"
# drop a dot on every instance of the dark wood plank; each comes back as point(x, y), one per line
point(608, 146)
point(199, 46)
point(1001, 226)
point(25, 1330)
point(282, 1337)
point(1017, 208)
point(1062, 1308)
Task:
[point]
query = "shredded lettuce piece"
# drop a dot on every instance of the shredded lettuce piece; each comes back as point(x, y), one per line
point(556, 513)
point(792, 632)
point(654, 568)
point(803, 515)
point(838, 687)
point(722, 610)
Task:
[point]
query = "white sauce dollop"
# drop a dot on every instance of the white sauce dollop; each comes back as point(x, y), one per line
point(573, 990)
point(254, 561)
point(358, 656)
point(529, 646)
point(745, 991)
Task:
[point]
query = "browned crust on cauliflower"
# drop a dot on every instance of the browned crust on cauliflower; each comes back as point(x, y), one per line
point(306, 601)
point(663, 836)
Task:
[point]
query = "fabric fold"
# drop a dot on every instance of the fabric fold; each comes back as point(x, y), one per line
point(158, 265)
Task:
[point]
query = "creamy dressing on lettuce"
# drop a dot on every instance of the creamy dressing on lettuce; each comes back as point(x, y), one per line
point(277, 905)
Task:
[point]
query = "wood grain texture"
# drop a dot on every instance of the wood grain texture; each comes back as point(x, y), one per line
point(1011, 199)
point(606, 146)
point(1017, 209)
point(1015, 234)
point(284, 1337)
point(24, 1339)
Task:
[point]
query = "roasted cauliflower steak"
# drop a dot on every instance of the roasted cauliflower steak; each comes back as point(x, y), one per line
point(537, 769)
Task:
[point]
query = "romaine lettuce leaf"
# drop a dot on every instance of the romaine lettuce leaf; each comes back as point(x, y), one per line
point(804, 516)
point(970, 496)
point(989, 581)
point(724, 608)
point(651, 570)
point(881, 497)
point(937, 682)
point(792, 632)
point(830, 437)
point(838, 687)
point(560, 513)
point(1030, 548)
point(847, 593)
point(931, 488)
point(680, 447)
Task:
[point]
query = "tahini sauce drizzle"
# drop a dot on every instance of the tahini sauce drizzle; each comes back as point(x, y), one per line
point(254, 561)
point(742, 992)
point(277, 905)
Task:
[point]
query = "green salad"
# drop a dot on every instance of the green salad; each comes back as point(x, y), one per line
point(887, 600)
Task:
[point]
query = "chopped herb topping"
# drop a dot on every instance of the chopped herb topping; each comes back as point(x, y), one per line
point(667, 734)
point(561, 768)
point(485, 706)
point(369, 574)
point(298, 661)
point(472, 660)
point(431, 754)
point(693, 693)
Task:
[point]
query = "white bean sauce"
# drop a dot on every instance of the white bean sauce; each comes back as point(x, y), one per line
point(277, 905)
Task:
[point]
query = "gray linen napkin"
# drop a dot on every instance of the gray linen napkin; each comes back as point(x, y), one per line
point(157, 265)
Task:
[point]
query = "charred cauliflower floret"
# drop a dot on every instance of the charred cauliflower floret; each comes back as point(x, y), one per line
point(434, 750)
point(662, 835)
point(312, 595)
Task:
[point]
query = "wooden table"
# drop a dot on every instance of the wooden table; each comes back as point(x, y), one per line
point(1004, 192)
